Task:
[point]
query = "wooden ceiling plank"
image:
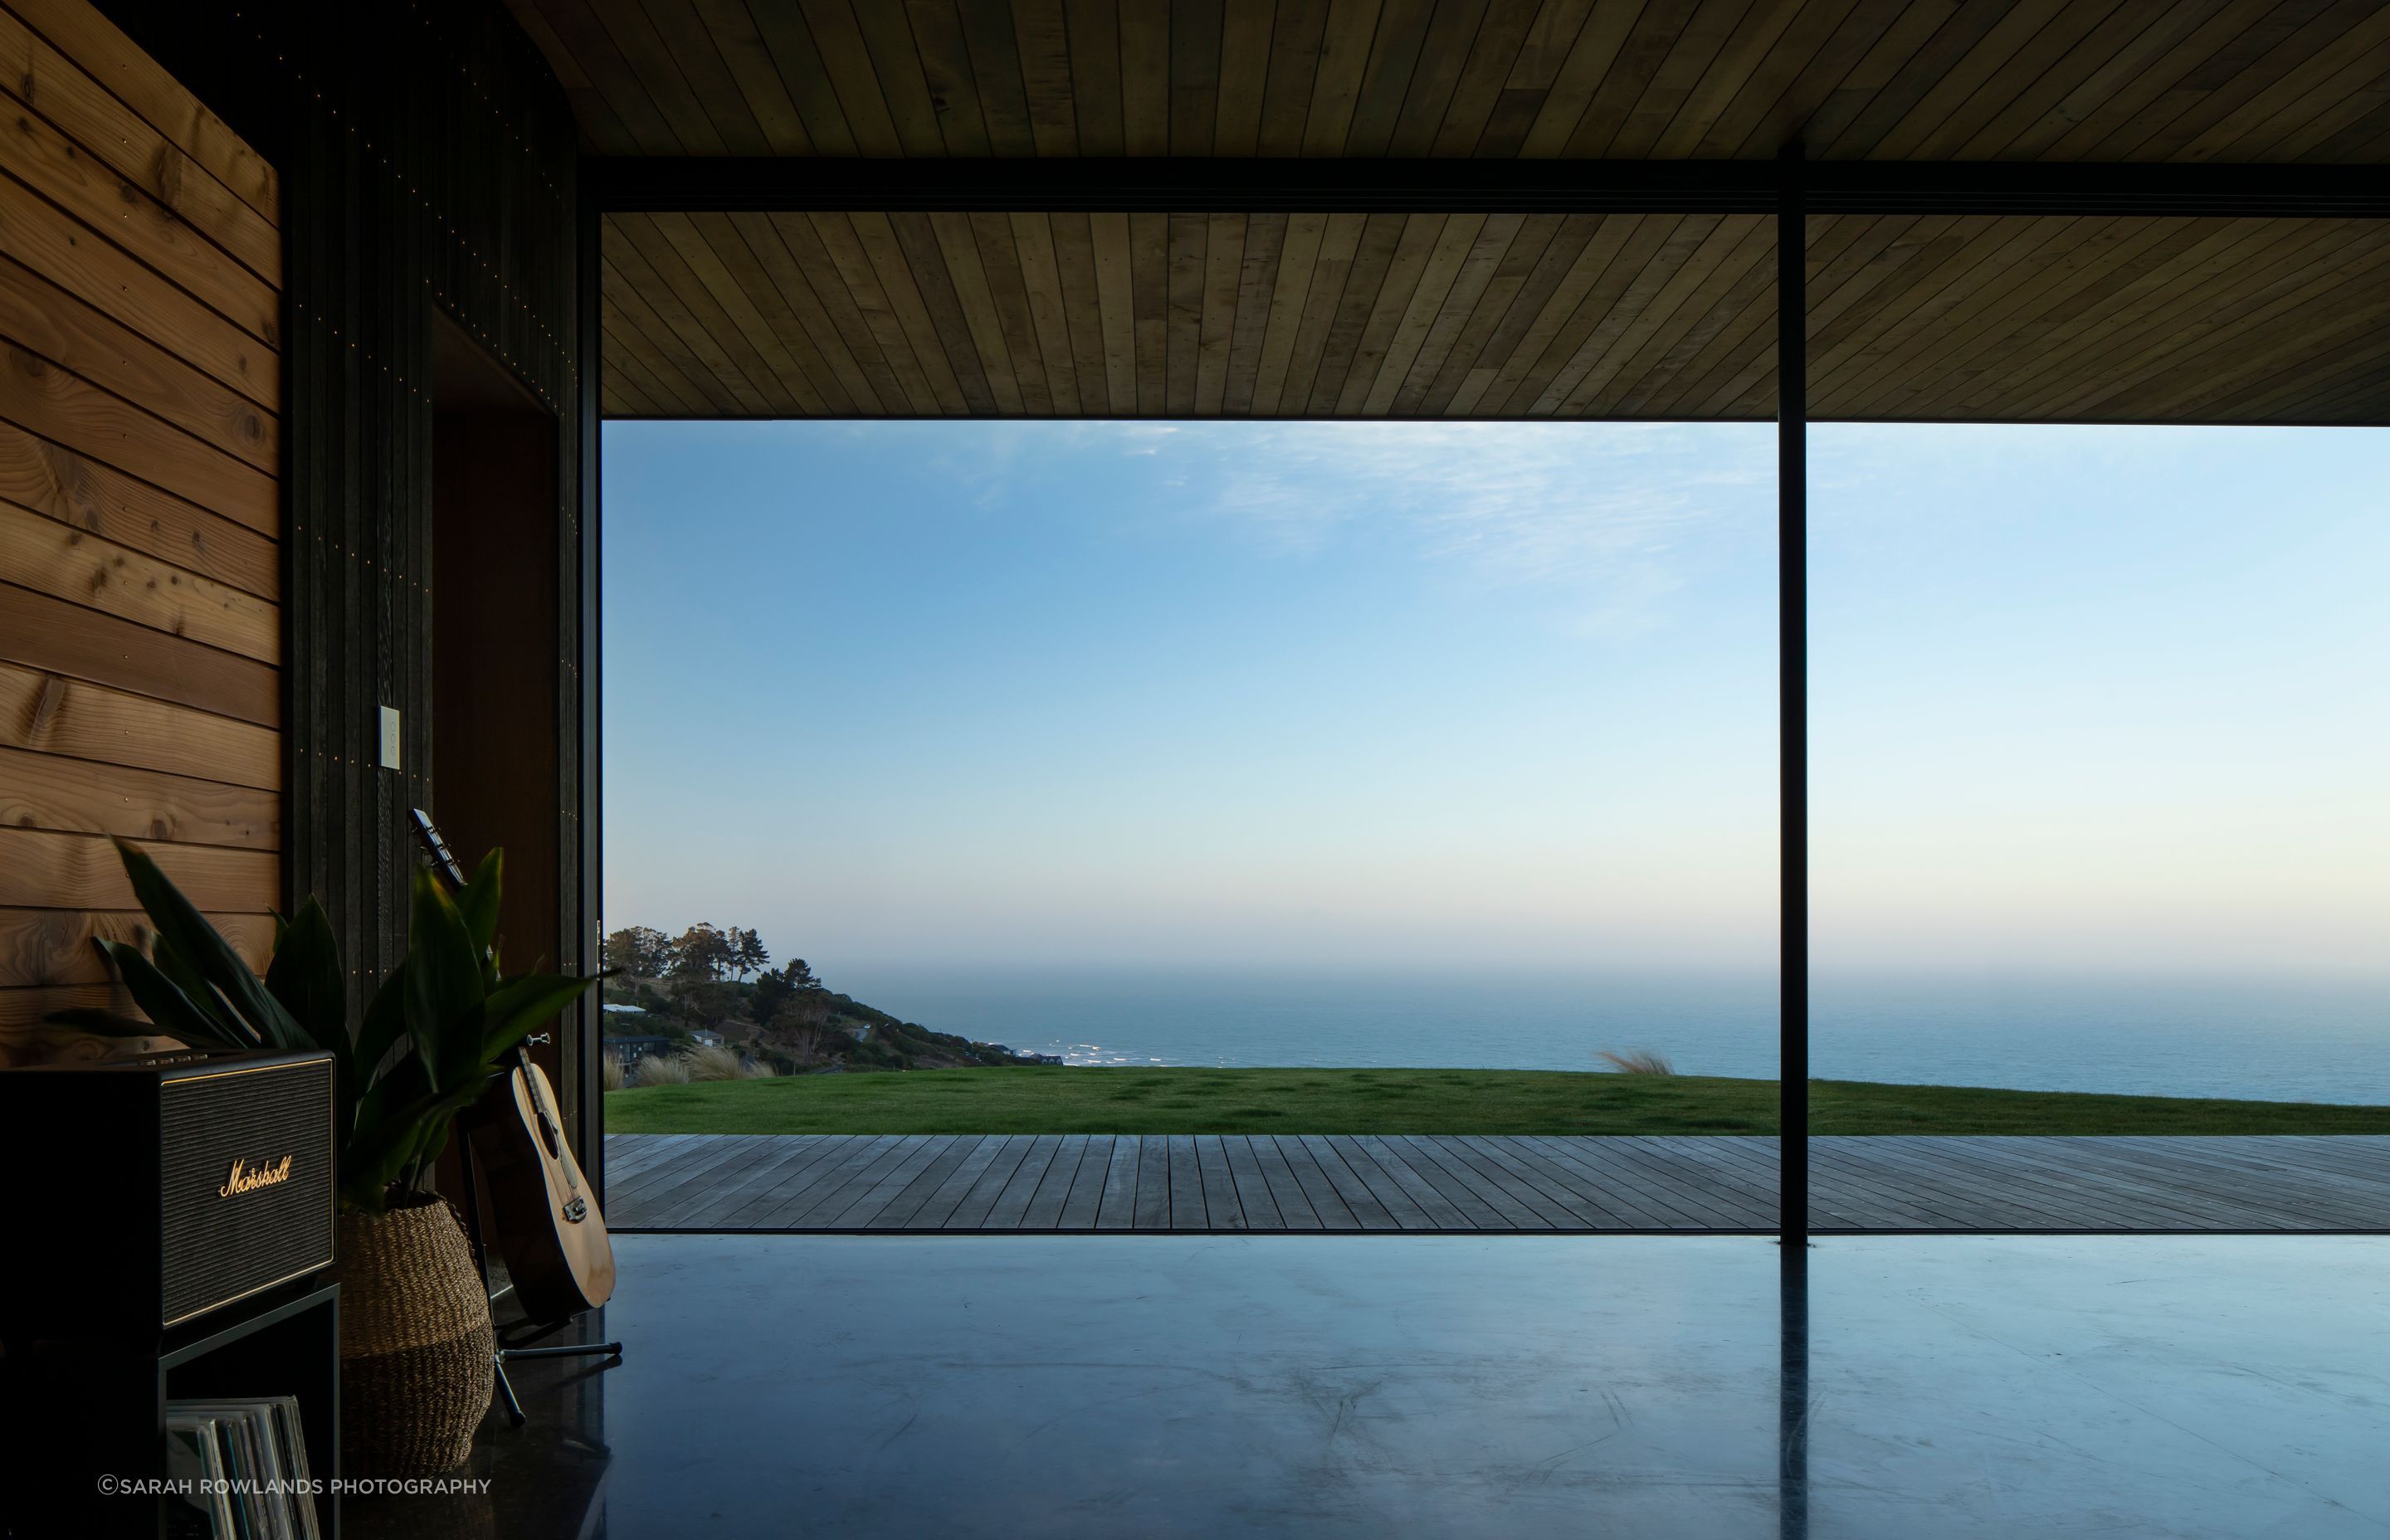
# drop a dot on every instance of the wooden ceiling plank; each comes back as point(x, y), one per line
point(1093, 29)
point(844, 294)
point(1829, 97)
point(2010, 255)
point(1410, 35)
point(1517, 266)
point(2135, 98)
point(659, 68)
point(756, 78)
point(960, 249)
point(1460, 303)
point(1117, 310)
point(846, 59)
point(2031, 47)
point(1453, 127)
point(1522, 301)
point(1521, 93)
point(1195, 27)
point(659, 350)
point(1289, 292)
point(2283, 367)
point(1149, 250)
point(2353, 141)
point(2085, 336)
point(1827, 37)
point(996, 65)
point(2126, 46)
point(1746, 270)
point(899, 69)
point(1747, 314)
point(1041, 280)
point(628, 352)
point(1323, 292)
point(1766, 52)
point(1699, 74)
point(2215, 316)
point(2194, 266)
point(1365, 279)
point(1640, 292)
point(2192, 82)
point(1190, 234)
point(2313, 44)
point(1074, 256)
point(1256, 284)
point(876, 234)
point(718, 260)
point(2340, 73)
point(1041, 36)
point(1415, 250)
point(927, 262)
point(999, 257)
point(1298, 28)
point(1445, 262)
point(2361, 397)
point(644, 259)
point(1677, 309)
point(822, 372)
point(1345, 49)
point(1144, 78)
point(1646, 46)
point(1621, 248)
point(1224, 259)
point(800, 273)
point(1245, 27)
point(789, 41)
point(947, 75)
point(1901, 84)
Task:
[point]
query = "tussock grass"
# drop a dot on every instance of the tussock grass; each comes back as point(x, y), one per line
point(1636, 1061)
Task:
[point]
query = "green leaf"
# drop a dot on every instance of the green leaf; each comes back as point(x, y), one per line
point(198, 942)
point(520, 1005)
point(166, 1005)
point(198, 991)
point(305, 977)
point(479, 902)
point(443, 987)
point(384, 1024)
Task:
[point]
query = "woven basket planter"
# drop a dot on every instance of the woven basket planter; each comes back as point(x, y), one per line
point(416, 1342)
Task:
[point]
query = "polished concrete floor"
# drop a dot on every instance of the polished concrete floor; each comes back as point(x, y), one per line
point(1458, 1386)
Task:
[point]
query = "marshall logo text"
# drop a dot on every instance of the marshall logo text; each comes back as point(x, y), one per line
point(244, 1177)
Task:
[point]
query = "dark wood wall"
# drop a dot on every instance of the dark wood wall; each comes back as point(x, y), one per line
point(141, 515)
point(428, 164)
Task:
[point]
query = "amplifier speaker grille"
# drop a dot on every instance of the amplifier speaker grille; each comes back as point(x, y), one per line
point(220, 1245)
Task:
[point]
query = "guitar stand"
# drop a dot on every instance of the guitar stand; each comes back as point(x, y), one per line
point(503, 1355)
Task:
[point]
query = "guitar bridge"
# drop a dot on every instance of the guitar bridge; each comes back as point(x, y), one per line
point(576, 1211)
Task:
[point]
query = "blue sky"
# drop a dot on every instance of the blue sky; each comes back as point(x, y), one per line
point(1495, 696)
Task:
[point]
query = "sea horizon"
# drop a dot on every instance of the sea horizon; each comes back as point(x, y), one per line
point(2287, 1038)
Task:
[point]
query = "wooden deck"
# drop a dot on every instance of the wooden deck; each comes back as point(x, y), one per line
point(1336, 1182)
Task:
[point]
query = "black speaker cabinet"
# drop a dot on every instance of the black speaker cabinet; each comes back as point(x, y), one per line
point(143, 1195)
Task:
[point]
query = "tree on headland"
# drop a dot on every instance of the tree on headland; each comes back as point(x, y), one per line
point(703, 954)
point(747, 954)
point(637, 951)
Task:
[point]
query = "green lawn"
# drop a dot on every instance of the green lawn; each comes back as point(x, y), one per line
point(1077, 1100)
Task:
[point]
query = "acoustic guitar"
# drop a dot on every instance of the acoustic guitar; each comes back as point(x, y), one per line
point(548, 1227)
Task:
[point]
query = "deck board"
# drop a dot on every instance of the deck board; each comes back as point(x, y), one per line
point(1345, 1183)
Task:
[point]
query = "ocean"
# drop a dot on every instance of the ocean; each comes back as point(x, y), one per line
point(2303, 1040)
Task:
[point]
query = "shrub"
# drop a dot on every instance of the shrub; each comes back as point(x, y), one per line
point(664, 1070)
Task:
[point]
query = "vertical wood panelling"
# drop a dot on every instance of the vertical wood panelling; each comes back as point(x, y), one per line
point(141, 624)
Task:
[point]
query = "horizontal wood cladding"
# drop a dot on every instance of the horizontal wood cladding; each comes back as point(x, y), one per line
point(1533, 317)
point(2211, 80)
point(141, 632)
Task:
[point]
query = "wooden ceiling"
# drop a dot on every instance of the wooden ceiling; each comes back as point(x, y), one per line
point(1212, 312)
point(1933, 80)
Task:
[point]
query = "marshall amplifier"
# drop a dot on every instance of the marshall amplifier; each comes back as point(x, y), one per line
point(145, 1193)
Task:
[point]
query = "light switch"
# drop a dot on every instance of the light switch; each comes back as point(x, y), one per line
point(390, 757)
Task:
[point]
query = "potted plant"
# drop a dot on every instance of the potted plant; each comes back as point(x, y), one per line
point(416, 1339)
